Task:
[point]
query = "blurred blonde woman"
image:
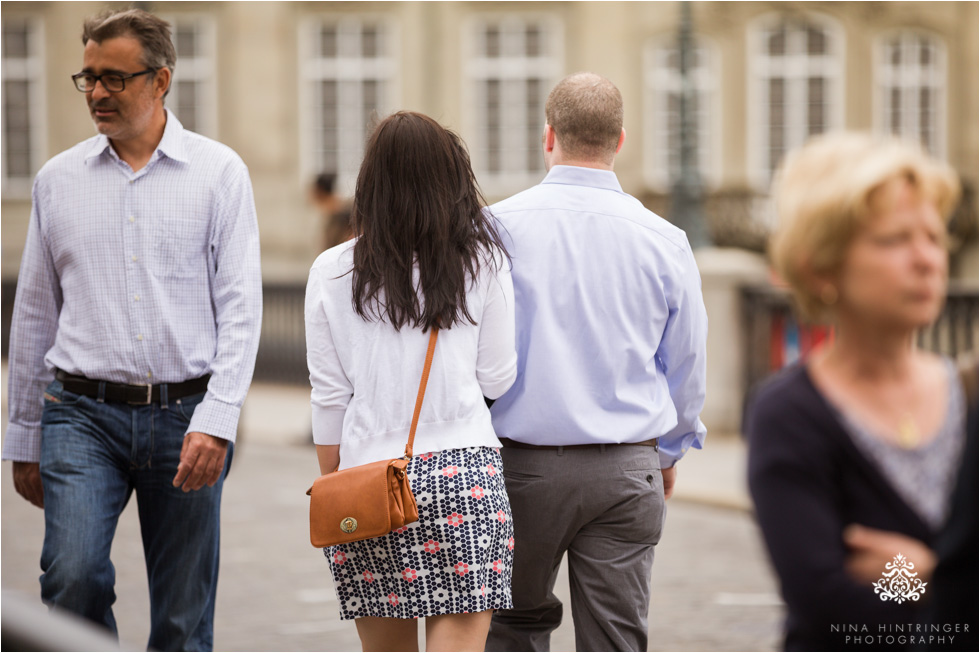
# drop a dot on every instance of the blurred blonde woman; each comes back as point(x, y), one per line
point(853, 455)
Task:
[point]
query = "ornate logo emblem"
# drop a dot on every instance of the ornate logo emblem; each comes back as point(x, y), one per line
point(348, 524)
point(899, 583)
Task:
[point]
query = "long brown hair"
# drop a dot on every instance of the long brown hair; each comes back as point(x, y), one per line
point(417, 200)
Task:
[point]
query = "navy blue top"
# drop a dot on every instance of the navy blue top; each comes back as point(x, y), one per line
point(808, 482)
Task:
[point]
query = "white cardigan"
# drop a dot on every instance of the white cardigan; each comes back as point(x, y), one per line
point(365, 374)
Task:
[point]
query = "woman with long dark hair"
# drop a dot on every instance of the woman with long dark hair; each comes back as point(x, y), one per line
point(426, 255)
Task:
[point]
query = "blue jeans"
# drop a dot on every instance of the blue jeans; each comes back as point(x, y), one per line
point(93, 456)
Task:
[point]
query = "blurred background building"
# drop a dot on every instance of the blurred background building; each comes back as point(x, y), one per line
point(294, 88)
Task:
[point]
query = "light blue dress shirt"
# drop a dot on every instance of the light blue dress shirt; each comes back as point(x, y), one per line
point(611, 326)
point(138, 277)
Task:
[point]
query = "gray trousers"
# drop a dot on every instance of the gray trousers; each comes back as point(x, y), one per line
point(605, 508)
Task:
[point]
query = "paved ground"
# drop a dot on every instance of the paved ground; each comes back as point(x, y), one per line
point(713, 589)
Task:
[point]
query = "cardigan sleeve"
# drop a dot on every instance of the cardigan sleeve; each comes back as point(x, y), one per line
point(331, 389)
point(795, 482)
point(496, 362)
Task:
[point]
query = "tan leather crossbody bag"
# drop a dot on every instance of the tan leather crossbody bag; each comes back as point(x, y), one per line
point(370, 500)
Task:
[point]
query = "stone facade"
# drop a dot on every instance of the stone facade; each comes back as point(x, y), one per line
point(259, 86)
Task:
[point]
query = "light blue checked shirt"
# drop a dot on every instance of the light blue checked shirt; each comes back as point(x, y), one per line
point(611, 326)
point(144, 278)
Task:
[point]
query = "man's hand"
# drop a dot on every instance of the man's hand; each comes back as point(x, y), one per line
point(871, 549)
point(202, 459)
point(670, 478)
point(27, 482)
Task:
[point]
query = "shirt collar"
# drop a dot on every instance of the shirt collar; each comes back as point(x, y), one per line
point(99, 145)
point(579, 176)
point(171, 145)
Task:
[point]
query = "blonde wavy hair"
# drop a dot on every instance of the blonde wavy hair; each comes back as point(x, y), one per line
point(823, 193)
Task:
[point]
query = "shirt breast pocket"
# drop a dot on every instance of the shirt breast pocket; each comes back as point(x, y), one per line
point(177, 248)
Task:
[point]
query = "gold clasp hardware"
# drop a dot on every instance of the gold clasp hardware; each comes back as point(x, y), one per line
point(348, 524)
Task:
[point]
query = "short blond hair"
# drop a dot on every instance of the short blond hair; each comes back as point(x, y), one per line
point(823, 193)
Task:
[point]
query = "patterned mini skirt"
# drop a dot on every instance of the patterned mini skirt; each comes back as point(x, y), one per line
point(458, 557)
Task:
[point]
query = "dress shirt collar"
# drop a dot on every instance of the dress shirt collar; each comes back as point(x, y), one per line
point(171, 145)
point(579, 176)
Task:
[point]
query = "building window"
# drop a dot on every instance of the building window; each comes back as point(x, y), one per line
point(511, 66)
point(910, 72)
point(661, 94)
point(193, 93)
point(23, 112)
point(349, 68)
point(796, 75)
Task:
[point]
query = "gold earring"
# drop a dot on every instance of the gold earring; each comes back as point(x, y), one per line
point(828, 295)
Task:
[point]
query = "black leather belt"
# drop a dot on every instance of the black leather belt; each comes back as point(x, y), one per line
point(139, 395)
point(513, 444)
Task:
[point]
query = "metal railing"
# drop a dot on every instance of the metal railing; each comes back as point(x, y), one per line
point(282, 348)
point(774, 336)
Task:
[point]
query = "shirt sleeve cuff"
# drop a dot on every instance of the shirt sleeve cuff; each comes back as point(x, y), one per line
point(328, 424)
point(216, 418)
point(673, 449)
point(667, 460)
point(22, 443)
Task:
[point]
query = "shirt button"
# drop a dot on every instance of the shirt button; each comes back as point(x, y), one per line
point(136, 297)
point(139, 337)
point(134, 257)
point(149, 375)
point(132, 218)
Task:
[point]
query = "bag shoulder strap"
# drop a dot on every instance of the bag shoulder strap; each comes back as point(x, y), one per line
point(422, 383)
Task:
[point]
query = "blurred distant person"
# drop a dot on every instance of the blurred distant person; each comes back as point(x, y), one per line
point(339, 230)
point(854, 454)
point(133, 340)
point(611, 337)
point(334, 212)
point(322, 194)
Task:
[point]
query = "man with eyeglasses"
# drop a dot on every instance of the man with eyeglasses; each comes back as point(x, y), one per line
point(133, 340)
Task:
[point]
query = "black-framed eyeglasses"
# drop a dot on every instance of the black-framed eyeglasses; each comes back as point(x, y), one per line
point(112, 82)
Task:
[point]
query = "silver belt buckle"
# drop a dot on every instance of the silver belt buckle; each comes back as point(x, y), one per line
point(149, 396)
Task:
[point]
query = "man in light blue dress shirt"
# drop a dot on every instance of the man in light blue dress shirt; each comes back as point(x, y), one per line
point(611, 337)
point(133, 340)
